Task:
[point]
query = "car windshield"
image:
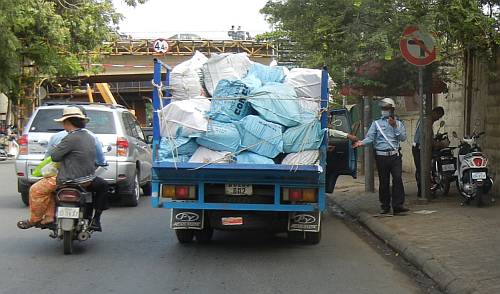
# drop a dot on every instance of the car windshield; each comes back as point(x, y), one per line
point(101, 122)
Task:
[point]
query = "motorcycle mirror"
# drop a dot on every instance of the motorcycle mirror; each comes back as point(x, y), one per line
point(454, 134)
point(441, 124)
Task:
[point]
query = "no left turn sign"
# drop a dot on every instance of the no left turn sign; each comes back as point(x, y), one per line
point(417, 47)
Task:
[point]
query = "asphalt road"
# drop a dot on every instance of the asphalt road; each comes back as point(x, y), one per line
point(138, 253)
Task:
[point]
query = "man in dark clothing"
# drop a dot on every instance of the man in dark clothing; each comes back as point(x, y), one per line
point(436, 114)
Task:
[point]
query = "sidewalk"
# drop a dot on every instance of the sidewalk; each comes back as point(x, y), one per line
point(457, 246)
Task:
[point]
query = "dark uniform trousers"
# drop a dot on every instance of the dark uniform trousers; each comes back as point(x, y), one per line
point(100, 187)
point(388, 166)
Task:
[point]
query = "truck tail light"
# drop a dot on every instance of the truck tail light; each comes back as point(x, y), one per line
point(121, 146)
point(299, 194)
point(178, 192)
point(23, 145)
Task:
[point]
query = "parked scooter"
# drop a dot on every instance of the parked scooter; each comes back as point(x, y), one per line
point(443, 163)
point(73, 214)
point(473, 180)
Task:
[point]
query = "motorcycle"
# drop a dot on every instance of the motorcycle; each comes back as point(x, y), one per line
point(73, 214)
point(472, 177)
point(443, 163)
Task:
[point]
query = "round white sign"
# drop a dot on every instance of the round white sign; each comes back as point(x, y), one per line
point(160, 46)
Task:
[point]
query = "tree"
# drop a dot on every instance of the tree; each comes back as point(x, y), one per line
point(46, 38)
point(359, 39)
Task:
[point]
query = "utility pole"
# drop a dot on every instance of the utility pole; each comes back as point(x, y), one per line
point(368, 152)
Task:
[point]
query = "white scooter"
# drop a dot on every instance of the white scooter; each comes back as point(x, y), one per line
point(473, 180)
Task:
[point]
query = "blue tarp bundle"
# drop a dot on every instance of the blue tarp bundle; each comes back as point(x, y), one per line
point(267, 74)
point(260, 136)
point(228, 110)
point(252, 158)
point(171, 148)
point(278, 103)
point(220, 137)
point(303, 137)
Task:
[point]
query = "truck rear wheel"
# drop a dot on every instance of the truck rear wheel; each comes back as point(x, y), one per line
point(313, 238)
point(184, 236)
point(204, 235)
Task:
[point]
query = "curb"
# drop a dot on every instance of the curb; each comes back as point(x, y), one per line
point(422, 259)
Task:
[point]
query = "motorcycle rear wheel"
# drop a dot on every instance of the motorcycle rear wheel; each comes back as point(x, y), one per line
point(68, 242)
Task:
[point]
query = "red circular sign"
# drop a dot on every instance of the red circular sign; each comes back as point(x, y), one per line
point(417, 47)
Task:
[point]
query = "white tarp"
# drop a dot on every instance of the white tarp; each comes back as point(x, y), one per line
point(185, 77)
point(306, 81)
point(308, 157)
point(184, 118)
point(205, 155)
point(224, 66)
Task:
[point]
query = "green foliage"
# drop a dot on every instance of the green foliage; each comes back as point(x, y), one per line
point(46, 38)
point(349, 35)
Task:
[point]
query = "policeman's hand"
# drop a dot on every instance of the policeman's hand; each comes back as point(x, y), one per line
point(392, 121)
point(352, 138)
point(357, 144)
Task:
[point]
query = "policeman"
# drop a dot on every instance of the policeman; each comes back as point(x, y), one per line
point(385, 134)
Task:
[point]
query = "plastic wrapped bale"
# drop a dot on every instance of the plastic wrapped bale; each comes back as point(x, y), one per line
point(303, 137)
point(278, 103)
point(305, 81)
point(177, 159)
point(224, 66)
point(220, 136)
point(308, 157)
point(260, 136)
point(252, 82)
point(185, 77)
point(205, 155)
point(248, 157)
point(267, 74)
point(185, 118)
point(170, 148)
point(227, 110)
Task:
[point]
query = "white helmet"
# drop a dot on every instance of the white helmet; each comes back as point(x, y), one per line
point(387, 102)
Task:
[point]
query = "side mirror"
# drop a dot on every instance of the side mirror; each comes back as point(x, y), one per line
point(441, 124)
point(455, 135)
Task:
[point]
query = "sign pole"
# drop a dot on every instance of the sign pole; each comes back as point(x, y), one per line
point(418, 48)
point(368, 152)
point(425, 143)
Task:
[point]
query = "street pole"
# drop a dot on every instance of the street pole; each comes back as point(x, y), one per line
point(426, 137)
point(368, 152)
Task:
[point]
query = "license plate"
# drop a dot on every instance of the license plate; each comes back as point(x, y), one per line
point(479, 176)
point(37, 149)
point(68, 212)
point(448, 167)
point(232, 221)
point(233, 189)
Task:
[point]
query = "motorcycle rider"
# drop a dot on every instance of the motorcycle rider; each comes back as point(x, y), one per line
point(436, 114)
point(76, 154)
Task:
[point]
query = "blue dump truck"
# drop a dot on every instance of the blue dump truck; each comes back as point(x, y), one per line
point(204, 197)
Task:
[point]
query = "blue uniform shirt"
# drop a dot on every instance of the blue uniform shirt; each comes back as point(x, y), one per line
point(56, 139)
point(395, 135)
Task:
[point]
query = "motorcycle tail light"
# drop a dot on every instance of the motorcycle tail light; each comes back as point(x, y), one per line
point(478, 161)
point(23, 145)
point(68, 195)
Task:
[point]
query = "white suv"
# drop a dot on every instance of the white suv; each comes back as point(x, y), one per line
point(124, 145)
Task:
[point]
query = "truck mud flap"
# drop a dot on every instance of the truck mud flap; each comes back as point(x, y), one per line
point(304, 221)
point(187, 219)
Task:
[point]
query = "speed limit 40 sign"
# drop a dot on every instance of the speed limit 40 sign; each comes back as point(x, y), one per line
point(160, 45)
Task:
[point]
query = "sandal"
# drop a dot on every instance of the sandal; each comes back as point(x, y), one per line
point(26, 224)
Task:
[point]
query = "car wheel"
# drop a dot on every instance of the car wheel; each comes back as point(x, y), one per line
point(146, 189)
point(132, 199)
point(25, 197)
